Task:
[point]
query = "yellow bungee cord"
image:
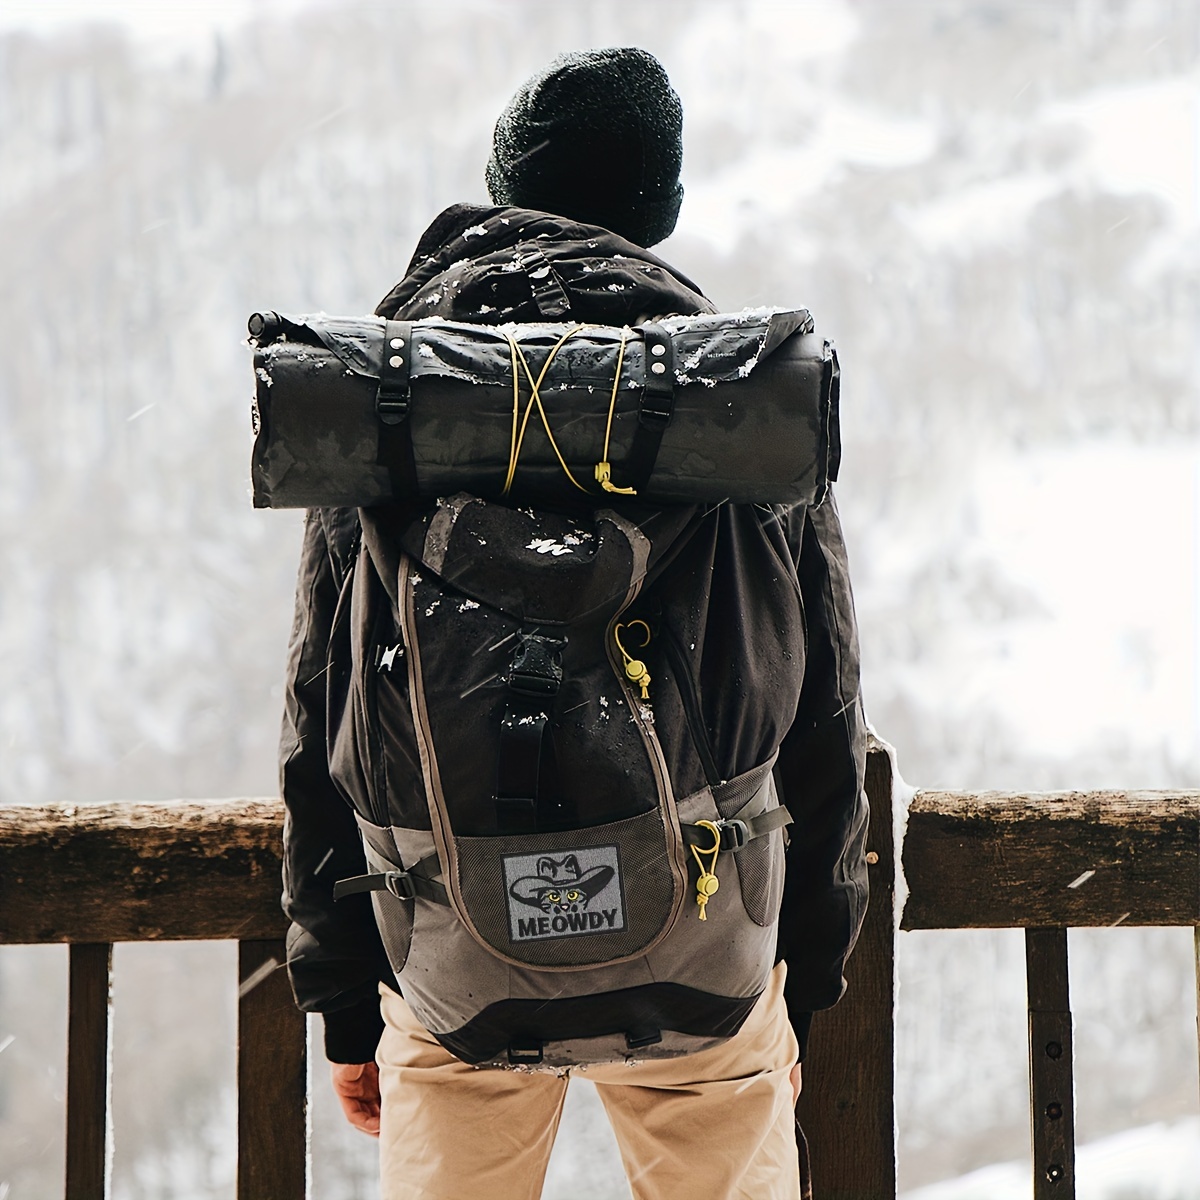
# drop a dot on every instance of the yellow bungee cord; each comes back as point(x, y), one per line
point(603, 469)
point(534, 399)
point(635, 669)
point(707, 884)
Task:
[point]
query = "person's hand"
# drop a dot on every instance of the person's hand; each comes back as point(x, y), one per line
point(794, 1078)
point(357, 1089)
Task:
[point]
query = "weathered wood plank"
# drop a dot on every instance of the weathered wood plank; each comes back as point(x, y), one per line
point(847, 1105)
point(1051, 1070)
point(1004, 860)
point(272, 1078)
point(138, 872)
point(210, 869)
point(89, 1013)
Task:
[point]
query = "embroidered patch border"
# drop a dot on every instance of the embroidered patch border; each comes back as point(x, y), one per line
point(568, 893)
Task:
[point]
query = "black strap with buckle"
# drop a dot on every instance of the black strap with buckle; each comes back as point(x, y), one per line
point(393, 403)
point(736, 833)
point(658, 404)
point(404, 885)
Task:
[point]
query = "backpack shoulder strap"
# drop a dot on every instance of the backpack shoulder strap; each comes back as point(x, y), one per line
point(343, 536)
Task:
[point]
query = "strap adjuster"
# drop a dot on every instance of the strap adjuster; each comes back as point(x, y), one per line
point(656, 411)
point(536, 667)
point(639, 1039)
point(392, 398)
point(391, 410)
point(400, 884)
point(734, 834)
point(525, 1053)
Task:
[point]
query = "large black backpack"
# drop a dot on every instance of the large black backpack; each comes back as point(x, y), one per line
point(557, 728)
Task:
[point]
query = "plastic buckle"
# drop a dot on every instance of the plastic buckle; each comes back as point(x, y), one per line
point(637, 1039)
point(390, 407)
point(530, 683)
point(400, 884)
point(734, 834)
point(656, 411)
point(536, 667)
point(525, 1054)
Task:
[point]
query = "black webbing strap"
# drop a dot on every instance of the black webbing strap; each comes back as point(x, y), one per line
point(404, 885)
point(392, 403)
point(533, 681)
point(549, 294)
point(518, 766)
point(658, 404)
point(831, 385)
point(736, 833)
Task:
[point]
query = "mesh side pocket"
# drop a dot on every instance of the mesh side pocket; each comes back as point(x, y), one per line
point(760, 873)
point(395, 920)
point(572, 898)
point(760, 864)
point(393, 915)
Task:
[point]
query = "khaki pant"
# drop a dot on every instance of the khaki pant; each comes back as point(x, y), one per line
point(717, 1125)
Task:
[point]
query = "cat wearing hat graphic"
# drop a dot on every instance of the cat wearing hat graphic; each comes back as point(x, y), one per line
point(560, 886)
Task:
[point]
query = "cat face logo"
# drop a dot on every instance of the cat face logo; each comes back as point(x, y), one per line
point(560, 886)
point(574, 891)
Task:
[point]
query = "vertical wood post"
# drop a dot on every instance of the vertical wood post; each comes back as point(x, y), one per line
point(89, 1015)
point(1051, 1075)
point(272, 1079)
point(847, 1107)
point(1196, 935)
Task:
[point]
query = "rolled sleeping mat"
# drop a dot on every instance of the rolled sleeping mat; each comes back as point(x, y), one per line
point(355, 411)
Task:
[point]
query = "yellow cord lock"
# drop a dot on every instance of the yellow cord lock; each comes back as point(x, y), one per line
point(635, 669)
point(707, 884)
point(604, 479)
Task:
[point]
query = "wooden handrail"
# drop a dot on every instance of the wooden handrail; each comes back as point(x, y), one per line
point(135, 872)
point(92, 875)
point(1013, 860)
point(210, 869)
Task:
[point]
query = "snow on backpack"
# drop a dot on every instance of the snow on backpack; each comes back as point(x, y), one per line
point(351, 411)
point(546, 893)
point(575, 850)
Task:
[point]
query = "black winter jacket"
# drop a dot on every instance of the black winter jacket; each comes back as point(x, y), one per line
point(335, 958)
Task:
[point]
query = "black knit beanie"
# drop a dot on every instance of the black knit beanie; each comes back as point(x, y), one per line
point(597, 137)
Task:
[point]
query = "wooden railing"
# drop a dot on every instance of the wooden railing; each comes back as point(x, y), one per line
point(1041, 862)
point(93, 875)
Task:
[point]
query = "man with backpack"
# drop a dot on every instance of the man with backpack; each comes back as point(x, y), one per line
point(517, 729)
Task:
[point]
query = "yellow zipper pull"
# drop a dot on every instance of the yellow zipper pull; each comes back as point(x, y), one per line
point(635, 669)
point(707, 884)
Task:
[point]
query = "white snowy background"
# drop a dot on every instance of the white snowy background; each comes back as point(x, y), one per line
point(994, 208)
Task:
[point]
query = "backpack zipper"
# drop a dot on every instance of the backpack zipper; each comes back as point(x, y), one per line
point(654, 751)
point(691, 705)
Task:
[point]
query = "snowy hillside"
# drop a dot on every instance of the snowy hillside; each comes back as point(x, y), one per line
point(992, 208)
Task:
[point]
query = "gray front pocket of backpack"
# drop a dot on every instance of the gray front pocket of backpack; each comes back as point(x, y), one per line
point(572, 898)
